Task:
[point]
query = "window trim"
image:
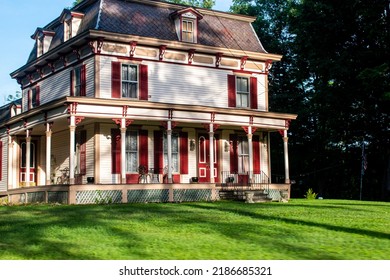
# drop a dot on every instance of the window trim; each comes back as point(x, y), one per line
point(33, 97)
point(129, 151)
point(193, 32)
point(130, 65)
point(240, 94)
point(78, 73)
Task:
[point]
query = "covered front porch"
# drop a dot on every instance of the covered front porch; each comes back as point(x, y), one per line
point(128, 145)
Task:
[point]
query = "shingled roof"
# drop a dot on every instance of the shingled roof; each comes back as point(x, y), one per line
point(152, 19)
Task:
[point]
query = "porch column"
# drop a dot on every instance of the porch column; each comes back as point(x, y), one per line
point(286, 163)
point(48, 153)
point(211, 141)
point(10, 163)
point(250, 150)
point(28, 156)
point(123, 150)
point(72, 129)
point(169, 151)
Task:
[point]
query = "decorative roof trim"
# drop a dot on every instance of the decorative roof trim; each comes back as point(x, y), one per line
point(43, 31)
point(186, 10)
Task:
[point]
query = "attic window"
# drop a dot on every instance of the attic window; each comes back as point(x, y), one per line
point(186, 23)
point(71, 21)
point(67, 30)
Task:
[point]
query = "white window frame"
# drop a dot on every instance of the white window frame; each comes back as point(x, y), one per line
point(132, 153)
point(175, 151)
point(188, 35)
point(241, 93)
point(243, 154)
point(130, 82)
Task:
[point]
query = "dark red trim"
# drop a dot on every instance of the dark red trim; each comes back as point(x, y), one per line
point(83, 80)
point(115, 79)
point(115, 151)
point(143, 148)
point(233, 153)
point(183, 152)
point(143, 87)
point(158, 152)
point(253, 92)
point(71, 82)
point(37, 96)
point(256, 154)
point(83, 152)
point(231, 90)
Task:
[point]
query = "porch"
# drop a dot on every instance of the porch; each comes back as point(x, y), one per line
point(132, 193)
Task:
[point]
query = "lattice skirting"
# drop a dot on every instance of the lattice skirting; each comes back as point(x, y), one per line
point(275, 194)
point(191, 195)
point(57, 197)
point(98, 197)
point(34, 197)
point(144, 196)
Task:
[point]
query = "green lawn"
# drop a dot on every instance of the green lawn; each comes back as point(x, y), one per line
point(298, 230)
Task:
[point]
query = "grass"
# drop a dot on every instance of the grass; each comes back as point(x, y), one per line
point(298, 230)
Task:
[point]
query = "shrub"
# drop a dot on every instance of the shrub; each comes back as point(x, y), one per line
point(310, 194)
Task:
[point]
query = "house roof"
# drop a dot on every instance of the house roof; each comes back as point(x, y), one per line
point(151, 18)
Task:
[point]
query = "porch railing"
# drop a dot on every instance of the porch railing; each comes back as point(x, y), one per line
point(236, 180)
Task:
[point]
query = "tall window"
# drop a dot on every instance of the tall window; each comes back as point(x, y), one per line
point(175, 152)
point(243, 154)
point(129, 81)
point(131, 151)
point(67, 30)
point(242, 92)
point(188, 31)
point(34, 97)
point(78, 81)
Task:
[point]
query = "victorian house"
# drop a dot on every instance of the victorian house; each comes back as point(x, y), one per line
point(138, 101)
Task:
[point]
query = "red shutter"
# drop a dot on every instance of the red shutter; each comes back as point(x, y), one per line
point(256, 154)
point(231, 91)
point(143, 86)
point(158, 152)
point(253, 93)
point(1, 160)
point(37, 96)
point(115, 79)
point(183, 153)
point(233, 154)
point(83, 152)
point(72, 83)
point(143, 148)
point(83, 80)
point(115, 151)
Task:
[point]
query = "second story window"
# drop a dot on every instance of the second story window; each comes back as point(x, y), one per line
point(188, 31)
point(129, 81)
point(34, 99)
point(242, 92)
point(78, 81)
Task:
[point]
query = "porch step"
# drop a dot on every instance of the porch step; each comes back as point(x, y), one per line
point(247, 196)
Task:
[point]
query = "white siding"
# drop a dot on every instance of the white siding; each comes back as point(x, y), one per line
point(105, 156)
point(105, 77)
point(4, 165)
point(90, 152)
point(261, 93)
point(60, 152)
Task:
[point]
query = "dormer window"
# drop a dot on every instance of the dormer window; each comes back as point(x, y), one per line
point(71, 21)
point(186, 23)
point(187, 34)
point(43, 40)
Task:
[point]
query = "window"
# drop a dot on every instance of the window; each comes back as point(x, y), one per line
point(131, 151)
point(67, 30)
point(175, 152)
point(243, 154)
point(242, 92)
point(40, 46)
point(78, 81)
point(81, 151)
point(34, 97)
point(129, 81)
point(188, 31)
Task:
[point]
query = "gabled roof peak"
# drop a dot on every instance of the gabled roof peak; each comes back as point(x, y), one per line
point(66, 13)
point(43, 31)
point(185, 11)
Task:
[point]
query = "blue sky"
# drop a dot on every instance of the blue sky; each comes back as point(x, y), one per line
point(18, 22)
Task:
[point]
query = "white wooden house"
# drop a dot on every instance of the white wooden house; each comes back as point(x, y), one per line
point(117, 91)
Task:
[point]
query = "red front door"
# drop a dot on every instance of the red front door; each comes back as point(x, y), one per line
point(24, 165)
point(204, 158)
